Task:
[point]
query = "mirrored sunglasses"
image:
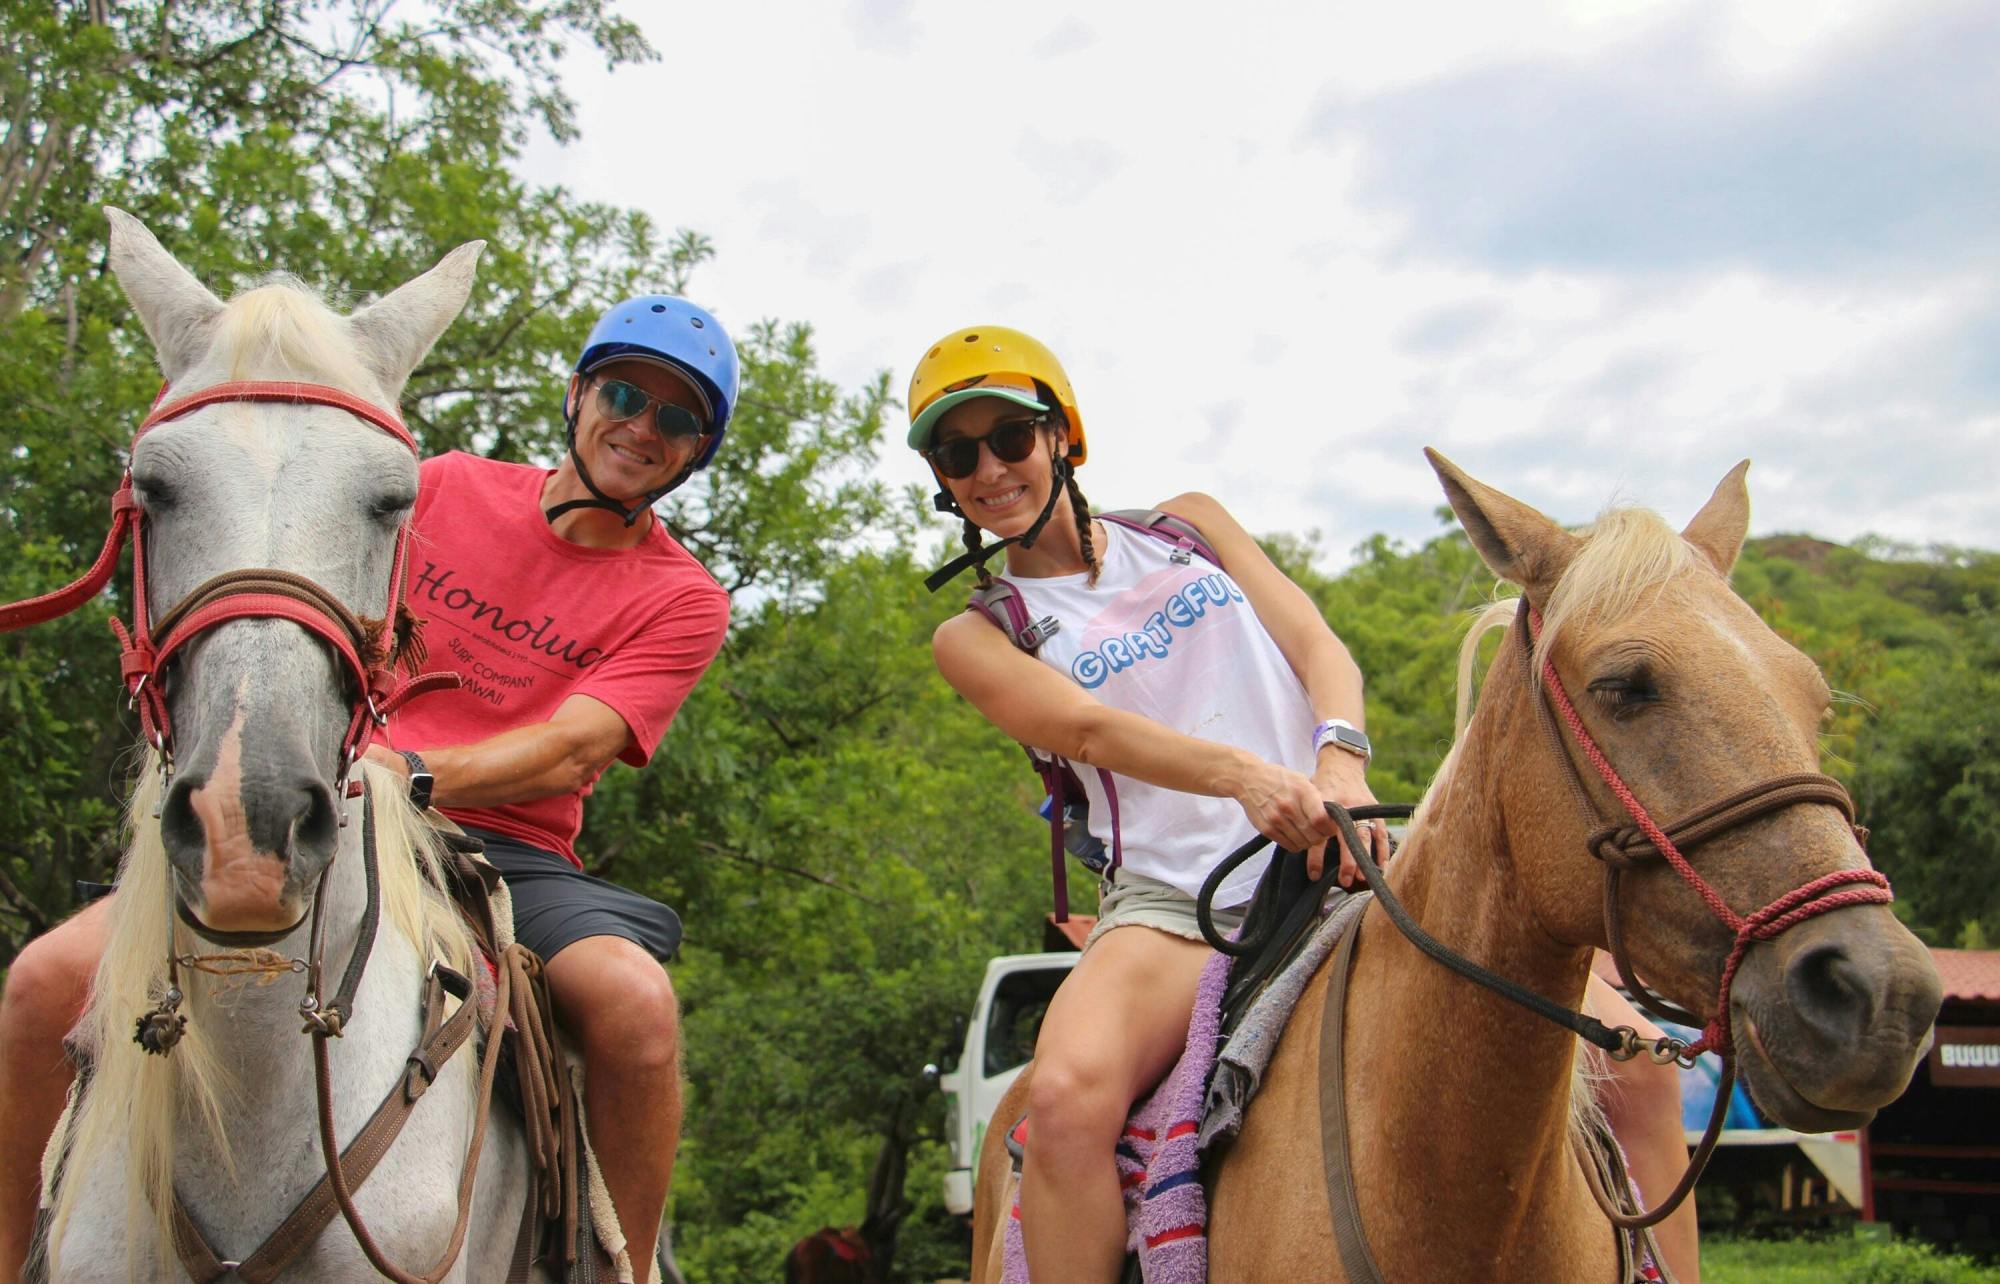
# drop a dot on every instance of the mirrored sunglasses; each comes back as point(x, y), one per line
point(619, 401)
point(1010, 443)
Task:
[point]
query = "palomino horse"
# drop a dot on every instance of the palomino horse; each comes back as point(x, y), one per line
point(1458, 1103)
point(252, 830)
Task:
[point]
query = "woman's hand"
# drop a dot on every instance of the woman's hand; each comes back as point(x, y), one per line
point(1341, 777)
point(1286, 808)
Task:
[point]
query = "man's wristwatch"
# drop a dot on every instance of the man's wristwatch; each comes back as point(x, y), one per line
point(1344, 734)
point(421, 780)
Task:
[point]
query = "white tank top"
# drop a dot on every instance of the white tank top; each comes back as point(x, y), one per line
point(1180, 644)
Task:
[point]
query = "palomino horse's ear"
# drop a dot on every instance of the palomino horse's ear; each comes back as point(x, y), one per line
point(1718, 529)
point(1517, 543)
point(177, 310)
point(396, 330)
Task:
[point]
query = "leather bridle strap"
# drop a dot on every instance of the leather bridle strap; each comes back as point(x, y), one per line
point(1357, 1262)
point(440, 1040)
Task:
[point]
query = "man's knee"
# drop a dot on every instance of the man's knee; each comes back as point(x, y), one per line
point(48, 985)
point(624, 1006)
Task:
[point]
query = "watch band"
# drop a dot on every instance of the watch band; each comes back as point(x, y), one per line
point(1343, 734)
point(421, 779)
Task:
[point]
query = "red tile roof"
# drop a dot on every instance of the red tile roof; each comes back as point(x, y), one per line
point(1969, 974)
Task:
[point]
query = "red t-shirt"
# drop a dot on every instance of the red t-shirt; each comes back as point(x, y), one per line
point(529, 619)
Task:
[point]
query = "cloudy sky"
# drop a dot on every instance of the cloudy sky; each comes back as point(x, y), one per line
point(1589, 250)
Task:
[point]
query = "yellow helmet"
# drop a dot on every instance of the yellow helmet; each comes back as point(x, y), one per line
point(976, 362)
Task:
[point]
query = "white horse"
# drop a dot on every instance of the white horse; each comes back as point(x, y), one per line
point(252, 816)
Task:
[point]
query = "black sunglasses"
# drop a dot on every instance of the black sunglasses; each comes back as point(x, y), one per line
point(619, 401)
point(1010, 443)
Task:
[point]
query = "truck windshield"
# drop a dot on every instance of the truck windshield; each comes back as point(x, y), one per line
point(1019, 1002)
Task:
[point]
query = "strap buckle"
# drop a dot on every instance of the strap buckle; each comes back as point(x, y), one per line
point(1040, 631)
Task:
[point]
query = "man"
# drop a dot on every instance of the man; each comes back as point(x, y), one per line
point(578, 626)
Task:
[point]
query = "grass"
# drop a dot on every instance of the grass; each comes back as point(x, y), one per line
point(1835, 1260)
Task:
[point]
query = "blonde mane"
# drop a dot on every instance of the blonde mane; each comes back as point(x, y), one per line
point(281, 328)
point(1627, 556)
point(134, 1099)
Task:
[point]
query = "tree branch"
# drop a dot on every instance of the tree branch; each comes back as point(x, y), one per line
point(714, 849)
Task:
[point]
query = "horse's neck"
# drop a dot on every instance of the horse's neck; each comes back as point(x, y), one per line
point(270, 1106)
point(1459, 1099)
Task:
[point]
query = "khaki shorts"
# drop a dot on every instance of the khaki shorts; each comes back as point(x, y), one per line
point(1133, 900)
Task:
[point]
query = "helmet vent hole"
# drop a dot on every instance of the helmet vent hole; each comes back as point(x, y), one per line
point(933, 352)
point(695, 321)
point(972, 338)
point(659, 307)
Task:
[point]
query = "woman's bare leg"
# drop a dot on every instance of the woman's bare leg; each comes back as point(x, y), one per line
point(1115, 1028)
point(1643, 1102)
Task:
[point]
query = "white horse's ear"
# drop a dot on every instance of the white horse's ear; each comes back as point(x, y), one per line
point(177, 310)
point(396, 330)
point(1718, 529)
point(1517, 543)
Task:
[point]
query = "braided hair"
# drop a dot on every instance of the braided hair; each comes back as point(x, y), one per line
point(1081, 509)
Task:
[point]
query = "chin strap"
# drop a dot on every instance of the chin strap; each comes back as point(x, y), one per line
point(629, 514)
point(957, 566)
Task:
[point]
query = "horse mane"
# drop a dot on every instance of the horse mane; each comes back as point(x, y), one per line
point(282, 328)
point(1627, 554)
point(134, 1099)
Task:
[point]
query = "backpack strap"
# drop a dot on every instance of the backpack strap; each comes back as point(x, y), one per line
point(999, 601)
point(1165, 527)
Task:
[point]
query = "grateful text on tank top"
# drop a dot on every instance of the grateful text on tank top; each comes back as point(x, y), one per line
point(1177, 643)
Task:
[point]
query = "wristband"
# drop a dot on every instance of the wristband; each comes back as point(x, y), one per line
point(1343, 734)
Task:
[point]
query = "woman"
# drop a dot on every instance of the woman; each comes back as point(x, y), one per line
point(1211, 718)
point(1216, 698)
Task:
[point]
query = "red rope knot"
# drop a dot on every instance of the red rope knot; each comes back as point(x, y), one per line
point(1789, 910)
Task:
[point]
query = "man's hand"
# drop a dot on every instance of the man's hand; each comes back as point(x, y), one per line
point(382, 756)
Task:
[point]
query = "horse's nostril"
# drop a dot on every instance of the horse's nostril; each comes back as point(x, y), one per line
point(180, 826)
point(1827, 987)
point(318, 827)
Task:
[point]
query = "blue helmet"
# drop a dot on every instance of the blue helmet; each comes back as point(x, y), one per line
point(686, 337)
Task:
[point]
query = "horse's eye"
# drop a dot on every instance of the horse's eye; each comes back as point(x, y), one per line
point(390, 506)
point(156, 493)
point(1626, 693)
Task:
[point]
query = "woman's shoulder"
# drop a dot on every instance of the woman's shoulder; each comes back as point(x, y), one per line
point(1199, 509)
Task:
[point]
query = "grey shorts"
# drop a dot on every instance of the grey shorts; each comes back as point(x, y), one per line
point(556, 904)
point(1134, 900)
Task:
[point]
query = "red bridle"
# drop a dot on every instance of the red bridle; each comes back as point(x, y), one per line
point(368, 650)
point(1794, 907)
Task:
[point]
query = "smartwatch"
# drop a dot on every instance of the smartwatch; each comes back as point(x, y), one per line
point(421, 780)
point(1344, 734)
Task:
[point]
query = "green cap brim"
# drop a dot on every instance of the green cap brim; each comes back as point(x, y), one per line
point(921, 426)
